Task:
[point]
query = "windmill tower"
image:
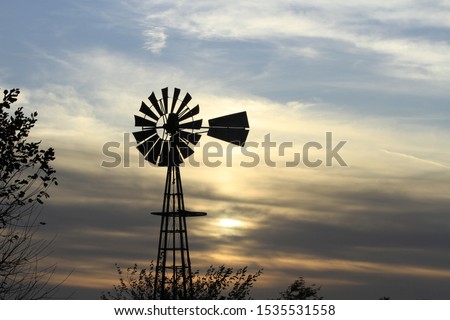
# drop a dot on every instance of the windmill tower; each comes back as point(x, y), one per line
point(169, 131)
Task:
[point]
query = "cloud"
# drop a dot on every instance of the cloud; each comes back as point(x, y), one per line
point(411, 157)
point(358, 26)
point(155, 39)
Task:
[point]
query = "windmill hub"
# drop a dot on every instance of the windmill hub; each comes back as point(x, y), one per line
point(172, 125)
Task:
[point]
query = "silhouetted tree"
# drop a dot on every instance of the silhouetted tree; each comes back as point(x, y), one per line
point(298, 290)
point(217, 284)
point(222, 283)
point(25, 176)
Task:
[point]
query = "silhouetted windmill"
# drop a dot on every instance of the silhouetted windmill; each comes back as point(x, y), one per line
point(168, 132)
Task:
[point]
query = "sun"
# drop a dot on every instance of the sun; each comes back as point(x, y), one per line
point(229, 223)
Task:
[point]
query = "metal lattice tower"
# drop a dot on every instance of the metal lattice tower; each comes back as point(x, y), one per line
point(168, 132)
point(173, 267)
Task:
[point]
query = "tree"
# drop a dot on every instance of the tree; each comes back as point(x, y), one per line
point(25, 176)
point(224, 284)
point(217, 284)
point(299, 291)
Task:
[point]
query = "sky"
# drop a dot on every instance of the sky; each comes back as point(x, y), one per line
point(371, 75)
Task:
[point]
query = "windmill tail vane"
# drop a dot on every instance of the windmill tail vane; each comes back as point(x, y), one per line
point(167, 137)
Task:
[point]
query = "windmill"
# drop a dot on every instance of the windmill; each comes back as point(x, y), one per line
point(169, 131)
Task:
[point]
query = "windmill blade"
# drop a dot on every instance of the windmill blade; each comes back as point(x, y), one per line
point(148, 146)
point(164, 155)
point(155, 151)
point(143, 150)
point(142, 122)
point(235, 136)
point(191, 137)
point(170, 154)
point(185, 101)
point(197, 124)
point(165, 93)
point(175, 156)
point(184, 149)
point(194, 111)
point(144, 134)
point(155, 103)
point(235, 120)
point(176, 94)
point(147, 111)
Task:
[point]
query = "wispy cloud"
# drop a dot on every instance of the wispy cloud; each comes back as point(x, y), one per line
point(155, 39)
point(414, 158)
point(367, 26)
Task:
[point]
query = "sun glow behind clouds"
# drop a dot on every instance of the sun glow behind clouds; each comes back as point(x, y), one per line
point(229, 223)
